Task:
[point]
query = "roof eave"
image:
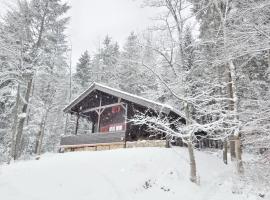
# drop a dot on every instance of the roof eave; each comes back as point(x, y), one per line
point(79, 98)
point(140, 101)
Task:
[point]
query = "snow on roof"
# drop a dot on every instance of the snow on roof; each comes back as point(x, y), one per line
point(124, 95)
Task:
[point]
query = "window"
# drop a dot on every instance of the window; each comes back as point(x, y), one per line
point(119, 128)
point(116, 109)
point(112, 129)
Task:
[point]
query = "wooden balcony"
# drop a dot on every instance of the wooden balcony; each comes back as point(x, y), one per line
point(92, 139)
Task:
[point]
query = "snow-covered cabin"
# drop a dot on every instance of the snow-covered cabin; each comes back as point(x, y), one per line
point(109, 110)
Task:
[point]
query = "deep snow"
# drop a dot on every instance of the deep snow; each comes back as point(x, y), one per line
point(123, 174)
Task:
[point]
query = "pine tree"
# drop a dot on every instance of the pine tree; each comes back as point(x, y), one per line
point(83, 70)
point(130, 70)
point(109, 52)
point(36, 45)
point(107, 60)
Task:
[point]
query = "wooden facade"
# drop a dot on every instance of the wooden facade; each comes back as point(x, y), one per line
point(109, 111)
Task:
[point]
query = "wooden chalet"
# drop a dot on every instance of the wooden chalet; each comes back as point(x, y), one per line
point(109, 111)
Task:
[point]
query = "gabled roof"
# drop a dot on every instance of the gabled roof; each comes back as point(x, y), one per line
point(124, 95)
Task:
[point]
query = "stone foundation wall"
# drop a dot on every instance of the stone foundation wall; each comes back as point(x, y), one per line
point(97, 147)
point(146, 143)
point(101, 147)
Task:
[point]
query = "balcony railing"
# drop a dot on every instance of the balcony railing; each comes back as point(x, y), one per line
point(93, 138)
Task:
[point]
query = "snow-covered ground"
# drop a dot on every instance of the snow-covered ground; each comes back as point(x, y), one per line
point(123, 174)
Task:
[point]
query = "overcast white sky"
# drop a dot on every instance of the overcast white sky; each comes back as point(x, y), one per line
point(92, 20)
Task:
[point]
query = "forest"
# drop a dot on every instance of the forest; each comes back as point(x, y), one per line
point(216, 71)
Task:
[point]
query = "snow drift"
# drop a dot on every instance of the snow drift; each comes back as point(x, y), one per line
point(124, 174)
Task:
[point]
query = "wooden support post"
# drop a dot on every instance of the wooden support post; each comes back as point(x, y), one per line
point(99, 113)
point(125, 107)
point(98, 123)
point(93, 127)
point(77, 124)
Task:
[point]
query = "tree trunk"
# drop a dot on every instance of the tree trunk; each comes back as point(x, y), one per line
point(269, 59)
point(232, 103)
point(70, 89)
point(231, 74)
point(41, 29)
point(240, 168)
point(193, 176)
point(232, 149)
point(237, 144)
point(225, 152)
point(14, 126)
point(66, 124)
point(29, 109)
point(40, 139)
point(37, 140)
point(40, 135)
point(167, 142)
point(22, 120)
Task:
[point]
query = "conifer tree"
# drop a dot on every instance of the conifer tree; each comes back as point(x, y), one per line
point(83, 70)
point(107, 61)
point(130, 69)
point(37, 30)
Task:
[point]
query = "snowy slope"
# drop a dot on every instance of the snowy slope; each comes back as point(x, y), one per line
point(124, 174)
